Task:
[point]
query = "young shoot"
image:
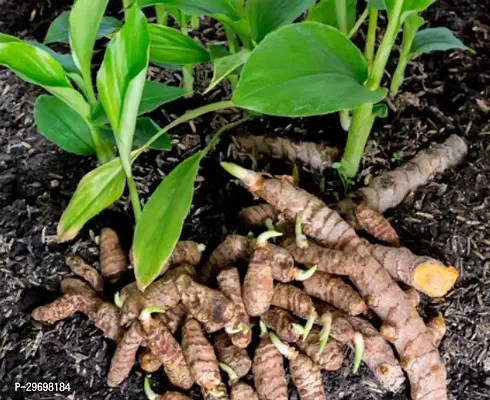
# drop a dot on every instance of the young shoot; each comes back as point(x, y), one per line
point(232, 376)
point(306, 274)
point(265, 236)
point(263, 327)
point(358, 351)
point(117, 300)
point(269, 224)
point(150, 394)
point(326, 320)
point(301, 240)
point(309, 325)
point(286, 350)
point(145, 315)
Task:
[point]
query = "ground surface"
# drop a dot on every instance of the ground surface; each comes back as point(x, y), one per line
point(448, 219)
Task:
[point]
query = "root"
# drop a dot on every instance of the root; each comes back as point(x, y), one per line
point(316, 156)
point(425, 274)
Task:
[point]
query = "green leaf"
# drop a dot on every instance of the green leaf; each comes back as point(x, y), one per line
point(62, 125)
point(409, 7)
point(265, 16)
point(96, 191)
point(302, 70)
point(65, 60)
point(84, 21)
point(37, 66)
point(432, 39)
point(380, 110)
point(325, 12)
point(145, 129)
point(224, 66)
point(121, 79)
point(58, 31)
point(377, 4)
point(410, 27)
point(198, 7)
point(162, 220)
point(218, 51)
point(169, 46)
point(156, 94)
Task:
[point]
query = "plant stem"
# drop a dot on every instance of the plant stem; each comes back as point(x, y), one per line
point(399, 74)
point(126, 5)
point(184, 118)
point(341, 10)
point(371, 36)
point(187, 78)
point(362, 118)
point(134, 196)
point(161, 13)
point(359, 22)
point(230, 37)
point(195, 23)
point(102, 150)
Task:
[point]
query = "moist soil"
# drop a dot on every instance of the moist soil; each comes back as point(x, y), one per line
point(448, 219)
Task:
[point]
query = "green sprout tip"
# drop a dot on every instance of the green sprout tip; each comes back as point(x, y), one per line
point(229, 371)
point(295, 175)
point(301, 240)
point(309, 325)
point(269, 225)
point(303, 275)
point(263, 327)
point(358, 351)
point(215, 392)
point(326, 320)
point(264, 237)
point(201, 247)
point(150, 394)
point(238, 172)
point(117, 300)
point(145, 315)
point(286, 350)
point(297, 328)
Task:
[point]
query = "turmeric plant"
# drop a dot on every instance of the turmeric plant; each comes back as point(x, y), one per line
point(239, 390)
point(231, 355)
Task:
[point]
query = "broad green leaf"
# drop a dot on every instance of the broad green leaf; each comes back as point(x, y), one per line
point(4, 38)
point(198, 7)
point(432, 39)
point(145, 129)
point(224, 66)
point(409, 7)
point(96, 191)
point(84, 21)
point(325, 12)
point(380, 110)
point(40, 68)
point(65, 60)
point(58, 31)
point(161, 222)
point(121, 79)
point(169, 46)
point(155, 94)
point(265, 16)
point(62, 125)
point(302, 70)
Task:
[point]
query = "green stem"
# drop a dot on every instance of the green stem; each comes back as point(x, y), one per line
point(358, 351)
point(359, 22)
point(360, 128)
point(399, 74)
point(222, 105)
point(126, 5)
point(150, 394)
point(385, 47)
point(187, 77)
point(341, 10)
point(102, 149)
point(371, 36)
point(134, 196)
point(195, 23)
point(161, 13)
point(362, 118)
point(230, 37)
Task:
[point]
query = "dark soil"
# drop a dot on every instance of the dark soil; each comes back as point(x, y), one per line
point(448, 219)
